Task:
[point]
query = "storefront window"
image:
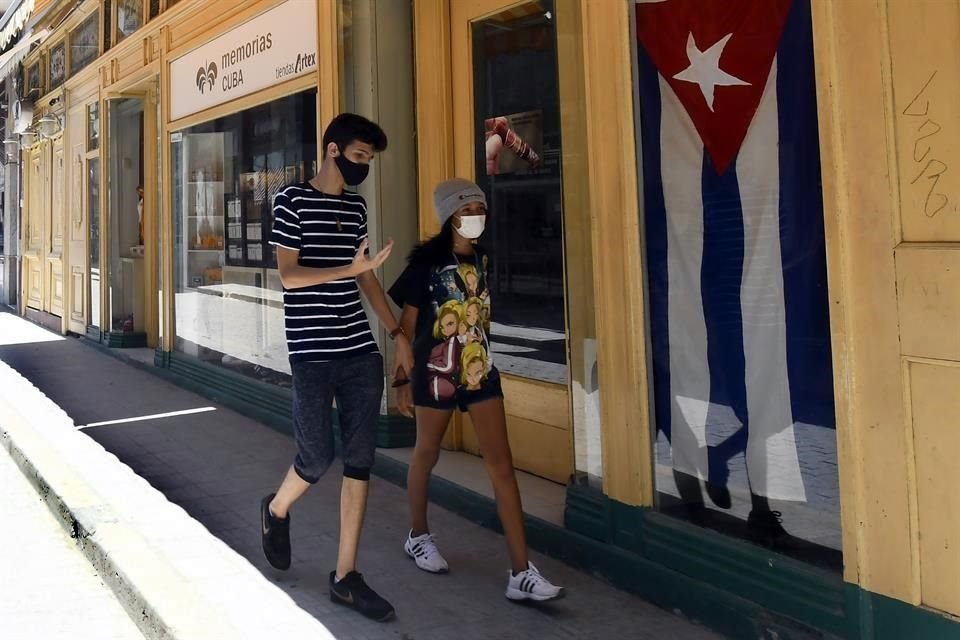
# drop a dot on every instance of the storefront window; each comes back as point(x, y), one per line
point(93, 127)
point(736, 266)
point(516, 102)
point(129, 17)
point(161, 243)
point(93, 215)
point(85, 43)
point(229, 309)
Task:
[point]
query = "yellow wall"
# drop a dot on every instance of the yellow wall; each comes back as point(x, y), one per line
point(888, 100)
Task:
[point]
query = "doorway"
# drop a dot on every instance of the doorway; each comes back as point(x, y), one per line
point(126, 321)
point(506, 134)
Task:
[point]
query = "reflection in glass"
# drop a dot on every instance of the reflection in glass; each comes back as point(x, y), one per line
point(125, 240)
point(741, 359)
point(93, 126)
point(129, 17)
point(229, 309)
point(58, 65)
point(33, 78)
point(107, 24)
point(93, 215)
point(158, 188)
point(519, 167)
point(85, 43)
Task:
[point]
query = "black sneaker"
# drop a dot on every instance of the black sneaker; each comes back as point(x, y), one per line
point(275, 534)
point(766, 528)
point(353, 592)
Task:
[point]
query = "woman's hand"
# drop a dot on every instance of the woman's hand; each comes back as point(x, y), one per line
point(402, 357)
point(405, 400)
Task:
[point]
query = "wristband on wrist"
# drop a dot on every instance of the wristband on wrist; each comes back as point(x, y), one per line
point(396, 332)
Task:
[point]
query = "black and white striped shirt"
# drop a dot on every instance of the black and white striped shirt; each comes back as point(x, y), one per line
point(325, 321)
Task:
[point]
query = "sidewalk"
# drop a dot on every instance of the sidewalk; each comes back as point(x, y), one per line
point(217, 464)
point(57, 594)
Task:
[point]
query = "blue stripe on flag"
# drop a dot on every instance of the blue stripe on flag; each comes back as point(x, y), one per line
point(809, 364)
point(655, 218)
point(721, 277)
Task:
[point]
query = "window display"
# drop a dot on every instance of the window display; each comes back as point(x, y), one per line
point(736, 266)
point(226, 172)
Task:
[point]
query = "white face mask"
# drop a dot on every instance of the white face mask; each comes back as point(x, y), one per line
point(471, 227)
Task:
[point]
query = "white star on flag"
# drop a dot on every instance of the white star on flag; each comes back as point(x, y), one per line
point(704, 69)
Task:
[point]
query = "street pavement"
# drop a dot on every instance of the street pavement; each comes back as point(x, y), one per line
point(217, 464)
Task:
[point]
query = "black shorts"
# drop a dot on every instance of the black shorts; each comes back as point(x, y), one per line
point(357, 385)
point(426, 396)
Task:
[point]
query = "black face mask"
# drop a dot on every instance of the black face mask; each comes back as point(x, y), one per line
point(353, 172)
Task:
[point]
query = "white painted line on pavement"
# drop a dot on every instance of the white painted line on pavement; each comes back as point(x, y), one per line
point(156, 416)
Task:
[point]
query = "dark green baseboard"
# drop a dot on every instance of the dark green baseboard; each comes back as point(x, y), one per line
point(396, 432)
point(93, 333)
point(125, 340)
point(264, 402)
point(738, 589)
point(890, 619)
point(805, 596)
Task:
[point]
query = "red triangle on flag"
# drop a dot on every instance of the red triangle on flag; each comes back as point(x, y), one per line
point(716, 55)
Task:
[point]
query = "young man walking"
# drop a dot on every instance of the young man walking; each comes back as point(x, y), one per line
point(320, 232)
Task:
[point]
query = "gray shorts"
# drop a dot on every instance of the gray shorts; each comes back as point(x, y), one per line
point(357, 385)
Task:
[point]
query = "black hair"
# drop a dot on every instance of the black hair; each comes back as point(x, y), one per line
point(347, 128)
point(436, 250)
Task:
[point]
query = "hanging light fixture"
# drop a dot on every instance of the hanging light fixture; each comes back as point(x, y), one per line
point(28, 138)
point(49, 126)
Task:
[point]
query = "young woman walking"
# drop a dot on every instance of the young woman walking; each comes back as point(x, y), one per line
point(446, 309)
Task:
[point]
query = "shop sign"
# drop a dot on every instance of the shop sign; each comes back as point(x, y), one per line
point(274, 47)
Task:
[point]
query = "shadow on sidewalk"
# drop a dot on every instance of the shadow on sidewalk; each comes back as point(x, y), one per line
point(218, 464)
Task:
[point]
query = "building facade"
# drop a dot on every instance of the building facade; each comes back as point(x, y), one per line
point(723, 247)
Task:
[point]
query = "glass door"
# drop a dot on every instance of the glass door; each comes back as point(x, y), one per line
point(92, 177)
point(126, 321)
point(507, 136)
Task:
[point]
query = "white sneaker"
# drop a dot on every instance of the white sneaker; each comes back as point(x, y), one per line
point(530, 585)
point(423, 549)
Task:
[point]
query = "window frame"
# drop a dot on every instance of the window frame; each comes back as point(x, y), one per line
point(94, 15)
point(48, 60)
point(117, 37)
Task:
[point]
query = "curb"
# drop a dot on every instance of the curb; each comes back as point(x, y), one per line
point(176, 580)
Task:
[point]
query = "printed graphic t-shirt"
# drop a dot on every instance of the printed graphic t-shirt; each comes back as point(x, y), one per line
point(325, 321)
point(451, 345)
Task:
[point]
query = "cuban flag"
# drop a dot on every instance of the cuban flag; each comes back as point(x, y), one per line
point(734, 235)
